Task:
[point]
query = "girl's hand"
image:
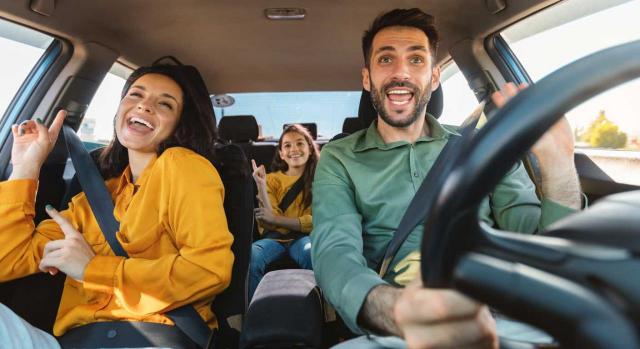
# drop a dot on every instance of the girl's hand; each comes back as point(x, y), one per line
point(265, 215)
point(32, 143)
point(70, 255)
point(259, 174)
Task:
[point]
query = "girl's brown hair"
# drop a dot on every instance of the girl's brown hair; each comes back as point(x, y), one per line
point(278, 164)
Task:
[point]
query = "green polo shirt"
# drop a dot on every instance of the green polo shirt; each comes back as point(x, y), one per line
point(362, 188)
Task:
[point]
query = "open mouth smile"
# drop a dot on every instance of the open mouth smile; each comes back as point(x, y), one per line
point(139, 124)
point(398, 96)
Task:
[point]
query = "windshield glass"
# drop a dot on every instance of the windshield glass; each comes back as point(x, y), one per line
point(272, 110)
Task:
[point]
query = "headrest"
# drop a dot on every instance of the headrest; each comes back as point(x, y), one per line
point(367, 113)
point(238, 128)
point(339, 135)
point(310, 126)
point(351, 125)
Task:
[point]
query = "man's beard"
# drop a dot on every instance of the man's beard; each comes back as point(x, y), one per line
point(421, 99)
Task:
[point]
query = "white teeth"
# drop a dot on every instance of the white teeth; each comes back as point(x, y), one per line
point(141, 121)
point(398, 92)
point(399, 103)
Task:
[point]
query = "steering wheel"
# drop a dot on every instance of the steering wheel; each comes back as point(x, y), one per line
point(578, 280)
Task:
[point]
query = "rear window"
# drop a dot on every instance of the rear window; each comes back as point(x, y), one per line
point(272, 110)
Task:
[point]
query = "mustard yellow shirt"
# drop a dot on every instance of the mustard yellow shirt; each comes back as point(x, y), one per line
point(172, 225)
point(278, 184)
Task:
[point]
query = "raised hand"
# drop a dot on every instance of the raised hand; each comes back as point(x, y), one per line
point(260, 177)
point(559, 138)
point(259, 174)
point(69, 255)
point(554, 152)
point(32, 143)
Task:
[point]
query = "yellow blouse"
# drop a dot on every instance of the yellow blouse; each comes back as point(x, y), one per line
point(172, 225)
point(278, 184)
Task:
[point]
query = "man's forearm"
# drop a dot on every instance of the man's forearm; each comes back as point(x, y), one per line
point(377, 311)
point(561, 185)
point(555, 152)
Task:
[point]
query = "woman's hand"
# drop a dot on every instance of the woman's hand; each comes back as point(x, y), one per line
point(32, 143)
point(265, 215)
point(69, 255)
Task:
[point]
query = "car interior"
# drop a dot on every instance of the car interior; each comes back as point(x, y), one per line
point(577, 282)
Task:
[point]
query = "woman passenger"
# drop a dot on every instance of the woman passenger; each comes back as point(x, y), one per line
point(168, 200)
point(284, 231)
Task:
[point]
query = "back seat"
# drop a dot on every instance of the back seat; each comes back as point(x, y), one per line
point(243, 131)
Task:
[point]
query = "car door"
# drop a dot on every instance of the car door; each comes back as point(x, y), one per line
point(29, 65)
point(606, 127)
point(41, 74)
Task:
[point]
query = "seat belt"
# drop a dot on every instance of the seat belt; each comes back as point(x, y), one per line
point(186, 317)
point(291, 194)
point(419, 206)
point(287, 200)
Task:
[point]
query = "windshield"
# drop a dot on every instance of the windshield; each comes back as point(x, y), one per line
point(272, 110)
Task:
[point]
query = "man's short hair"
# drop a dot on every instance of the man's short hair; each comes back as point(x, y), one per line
point(413, 18)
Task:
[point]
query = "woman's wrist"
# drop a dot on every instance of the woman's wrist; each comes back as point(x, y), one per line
point(25, 172)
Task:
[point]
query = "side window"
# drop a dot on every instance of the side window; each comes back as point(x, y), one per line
point(21, 49)
point(459, 100)
point(606, 127)
point(97, 126)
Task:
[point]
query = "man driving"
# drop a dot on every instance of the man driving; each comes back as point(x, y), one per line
point(364, 183)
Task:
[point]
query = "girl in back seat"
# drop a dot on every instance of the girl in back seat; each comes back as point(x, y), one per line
point(284, 196)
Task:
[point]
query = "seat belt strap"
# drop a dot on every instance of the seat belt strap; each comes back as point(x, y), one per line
point(418, 207)
point(186, 317)
point(291, 194)
point(94, 189)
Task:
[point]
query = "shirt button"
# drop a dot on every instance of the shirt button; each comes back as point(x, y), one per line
point(415, 174)
point(112, 333)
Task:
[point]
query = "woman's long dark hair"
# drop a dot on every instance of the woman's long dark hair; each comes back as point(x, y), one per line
point(196, 129)
point(278, 164)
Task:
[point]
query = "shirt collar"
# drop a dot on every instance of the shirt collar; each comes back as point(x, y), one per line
point(126, 178)
point(371, 138)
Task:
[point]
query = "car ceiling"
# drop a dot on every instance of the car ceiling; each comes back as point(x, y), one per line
point(238, 49)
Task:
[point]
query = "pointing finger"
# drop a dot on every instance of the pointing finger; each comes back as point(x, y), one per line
point(56, 126)
point(64, 224)
point(253, 164)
